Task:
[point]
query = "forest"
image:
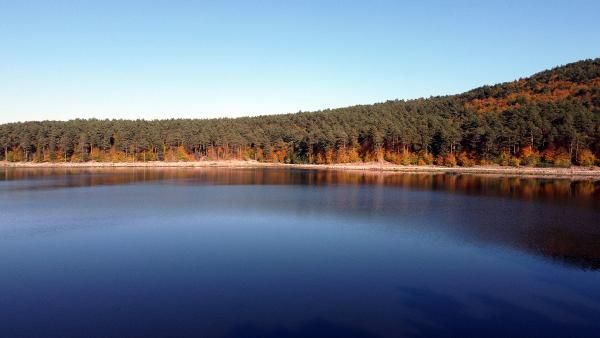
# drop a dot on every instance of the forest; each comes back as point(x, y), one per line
point(549, 119)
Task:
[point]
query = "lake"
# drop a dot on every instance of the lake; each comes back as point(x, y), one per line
point(215, 252)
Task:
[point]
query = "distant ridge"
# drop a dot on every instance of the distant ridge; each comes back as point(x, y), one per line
point(551, 118)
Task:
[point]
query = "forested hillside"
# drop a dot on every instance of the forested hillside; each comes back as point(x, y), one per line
point(549, 119)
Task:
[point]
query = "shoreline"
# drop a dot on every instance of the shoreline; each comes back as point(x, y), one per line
point(573, 172)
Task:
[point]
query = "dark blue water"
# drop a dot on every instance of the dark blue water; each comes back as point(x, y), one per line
point(289, 253)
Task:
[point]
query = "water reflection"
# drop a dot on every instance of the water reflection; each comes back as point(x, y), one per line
point(582, 192)
point(574, 240)
point(294, 253)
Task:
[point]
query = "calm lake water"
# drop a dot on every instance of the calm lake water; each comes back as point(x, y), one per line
point(295, 253)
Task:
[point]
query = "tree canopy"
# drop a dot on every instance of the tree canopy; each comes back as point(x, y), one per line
point(550, 118)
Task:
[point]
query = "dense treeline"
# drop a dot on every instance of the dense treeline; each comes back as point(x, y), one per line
point(551, 118)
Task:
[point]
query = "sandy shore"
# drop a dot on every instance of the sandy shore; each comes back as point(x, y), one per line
point(573, 172)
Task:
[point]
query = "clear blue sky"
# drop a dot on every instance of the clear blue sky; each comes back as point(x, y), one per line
point(159, 59)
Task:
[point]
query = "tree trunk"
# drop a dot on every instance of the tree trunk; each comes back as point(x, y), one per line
point(531, 139)
point(571, 150)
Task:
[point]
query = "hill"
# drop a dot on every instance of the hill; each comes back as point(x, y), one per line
point(549, 119)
